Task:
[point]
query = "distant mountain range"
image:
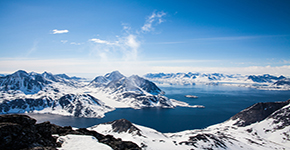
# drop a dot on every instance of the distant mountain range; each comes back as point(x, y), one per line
point(60, 94)
point(266, 81)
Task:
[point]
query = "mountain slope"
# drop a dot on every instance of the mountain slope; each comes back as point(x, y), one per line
point(21, 80)
point(134, 91)
point(269, 132)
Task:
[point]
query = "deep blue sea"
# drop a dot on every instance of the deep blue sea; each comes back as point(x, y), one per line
point(221, 102)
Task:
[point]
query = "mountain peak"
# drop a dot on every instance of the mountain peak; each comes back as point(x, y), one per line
point(145, 84)
point(63, 76)
point(20, 73)
point(123, 125)
point(259, 110)
point(115, 75)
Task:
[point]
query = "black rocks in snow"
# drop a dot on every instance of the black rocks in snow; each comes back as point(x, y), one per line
point(257, 112)
point(281, 117)
point(25, 104)
point(213, 141)
point(22, 132)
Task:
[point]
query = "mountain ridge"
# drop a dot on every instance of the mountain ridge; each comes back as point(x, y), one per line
point(264, 82)
point(60, 94)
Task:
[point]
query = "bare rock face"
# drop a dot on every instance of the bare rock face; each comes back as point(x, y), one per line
point(257, 112)
point(123, 125)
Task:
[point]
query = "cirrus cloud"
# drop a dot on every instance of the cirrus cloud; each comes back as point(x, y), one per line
point(125, 46)
point(155, 17)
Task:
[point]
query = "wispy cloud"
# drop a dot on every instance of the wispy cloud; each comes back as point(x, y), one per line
point(126, 26)
point(156, 18)
point(74, 43)
point(228, 38)
point(55, 31)
point(127, 44)
point(224, 38)
point(64, 41)
point(99, 41)
point(33, 48)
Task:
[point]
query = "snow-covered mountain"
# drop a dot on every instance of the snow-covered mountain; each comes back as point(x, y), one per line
point(261, 126)
point(134, 91)
point(266, 81)
point(60, 94)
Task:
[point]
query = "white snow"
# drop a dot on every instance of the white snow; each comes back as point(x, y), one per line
point(184, 104)
point(81, 142)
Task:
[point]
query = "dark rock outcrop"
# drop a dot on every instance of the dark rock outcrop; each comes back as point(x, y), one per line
point(22, 132)
point(123, 125)
point(257, 112)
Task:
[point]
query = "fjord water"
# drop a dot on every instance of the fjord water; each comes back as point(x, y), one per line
point(221, 102)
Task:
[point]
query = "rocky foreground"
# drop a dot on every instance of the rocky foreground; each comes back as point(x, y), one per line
point(22, 132)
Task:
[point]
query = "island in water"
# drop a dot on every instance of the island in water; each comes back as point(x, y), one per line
point(191, 96)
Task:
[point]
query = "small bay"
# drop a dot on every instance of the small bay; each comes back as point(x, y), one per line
point(221, 102)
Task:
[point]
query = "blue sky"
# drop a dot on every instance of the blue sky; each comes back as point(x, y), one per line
point(89, 38)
